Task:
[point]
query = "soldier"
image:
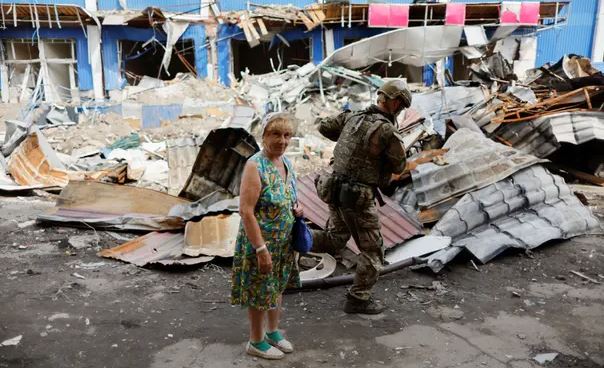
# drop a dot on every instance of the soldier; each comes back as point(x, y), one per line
point(367, 153)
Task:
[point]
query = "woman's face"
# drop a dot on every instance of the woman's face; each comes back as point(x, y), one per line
point(276, 139)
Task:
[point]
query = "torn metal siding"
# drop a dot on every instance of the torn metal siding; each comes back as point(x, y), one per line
point(212, 236)
point(115, 206)
point(181, 156)
point(523, 211)
point(472, 162)
point(29, 166)
point(397, 226)
point(219, 164)
point(414, 46)
point(543, 136)
point(154, 248)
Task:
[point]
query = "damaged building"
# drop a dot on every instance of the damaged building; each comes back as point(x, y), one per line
point(94, 49)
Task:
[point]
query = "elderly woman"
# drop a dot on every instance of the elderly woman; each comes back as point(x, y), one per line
point(264, 263)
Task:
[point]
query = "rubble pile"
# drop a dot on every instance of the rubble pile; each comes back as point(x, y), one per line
point(488, 154)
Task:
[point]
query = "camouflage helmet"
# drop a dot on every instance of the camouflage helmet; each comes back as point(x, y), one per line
point(396, 89)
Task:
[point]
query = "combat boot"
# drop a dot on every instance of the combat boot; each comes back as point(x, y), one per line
point(358, 306)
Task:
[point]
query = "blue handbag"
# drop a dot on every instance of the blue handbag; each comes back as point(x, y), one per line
point(301, 235)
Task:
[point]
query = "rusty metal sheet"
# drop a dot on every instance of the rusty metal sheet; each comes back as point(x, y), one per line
point(154, 248)
point(8, 185)
point(30, 166)
point(212, 236)
point(397, 226)
point(219, 164)
point(115, 206)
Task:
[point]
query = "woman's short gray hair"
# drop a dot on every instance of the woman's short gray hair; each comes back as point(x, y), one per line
point(273, 116)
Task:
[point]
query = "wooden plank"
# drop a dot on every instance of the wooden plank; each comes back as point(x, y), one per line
point(262, 26)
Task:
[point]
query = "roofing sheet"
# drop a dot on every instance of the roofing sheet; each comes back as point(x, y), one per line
point(46, 13)
point(212, 236)
point(415, 46)
point(472, 162)
point(154, 248)
point(543, 136)
point(115, 206)
point(523, 211)
point(397, 226)
point(30, 166)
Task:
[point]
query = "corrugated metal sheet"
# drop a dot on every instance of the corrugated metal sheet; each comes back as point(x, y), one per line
point(543, 136)
point(154, 248)
point(115, 206)
point(576, 36)
point(219, 164)
point(472, 162)
point(397, 226)
point(181, 155)
point(212, 236)
point(29, 165)
point(523, 211)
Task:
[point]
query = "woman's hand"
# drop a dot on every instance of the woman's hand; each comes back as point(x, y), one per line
point(298, 210)
point(265, 262)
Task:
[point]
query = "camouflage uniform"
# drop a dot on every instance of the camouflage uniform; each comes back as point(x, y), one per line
point(367, 153)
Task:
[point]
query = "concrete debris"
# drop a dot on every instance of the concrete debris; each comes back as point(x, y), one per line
point(12, 342)
point(545, 358)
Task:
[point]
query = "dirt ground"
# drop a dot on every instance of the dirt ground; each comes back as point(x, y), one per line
point(75, 309)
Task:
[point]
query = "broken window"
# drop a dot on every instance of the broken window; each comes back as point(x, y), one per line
point(46, 70)
point(258, 59)
point(145, 58)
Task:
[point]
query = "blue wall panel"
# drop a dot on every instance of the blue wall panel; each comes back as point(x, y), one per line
point(154, 114)
point(81, 43)
point(576, 36)
point(113, 34)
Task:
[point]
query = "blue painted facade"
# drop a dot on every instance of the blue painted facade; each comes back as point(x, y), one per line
point(576, 36)
point(111, 35)
point(81, 45)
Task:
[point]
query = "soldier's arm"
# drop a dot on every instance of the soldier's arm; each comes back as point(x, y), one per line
point(394, 150)
point(331, 127)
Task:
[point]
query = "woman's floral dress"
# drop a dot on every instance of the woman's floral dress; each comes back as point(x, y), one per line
point(274, 213)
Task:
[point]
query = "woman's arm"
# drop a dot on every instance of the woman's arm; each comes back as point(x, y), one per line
point(249, 192)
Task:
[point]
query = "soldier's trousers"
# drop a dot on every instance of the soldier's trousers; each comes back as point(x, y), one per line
point(364, 227)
